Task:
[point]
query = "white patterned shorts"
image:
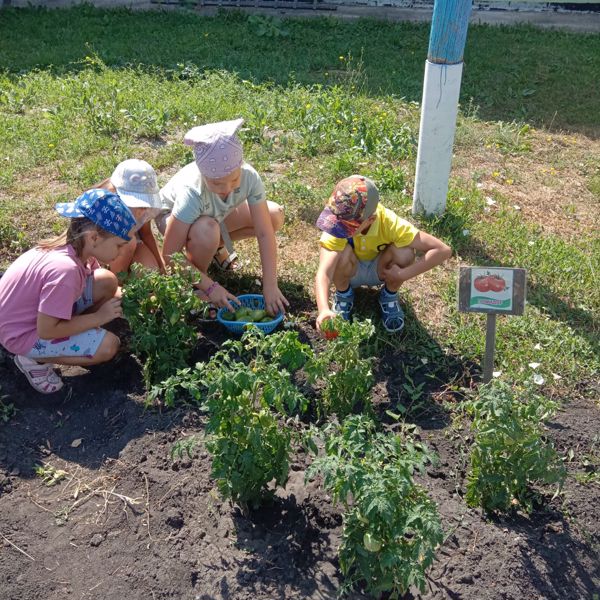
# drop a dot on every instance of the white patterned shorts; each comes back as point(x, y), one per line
point(83, 344)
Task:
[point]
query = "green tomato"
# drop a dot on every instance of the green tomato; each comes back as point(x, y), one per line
point(257, 315)
point(242, 314)
point(372, 544)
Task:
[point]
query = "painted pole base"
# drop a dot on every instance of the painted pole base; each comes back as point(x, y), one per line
point(439, 109)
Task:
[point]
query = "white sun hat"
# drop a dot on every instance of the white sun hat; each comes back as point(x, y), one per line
point(136, 184)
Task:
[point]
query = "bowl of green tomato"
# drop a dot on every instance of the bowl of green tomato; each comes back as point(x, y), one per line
point(250, 311)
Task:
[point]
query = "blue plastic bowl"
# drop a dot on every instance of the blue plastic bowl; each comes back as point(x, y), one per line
point(254, 302)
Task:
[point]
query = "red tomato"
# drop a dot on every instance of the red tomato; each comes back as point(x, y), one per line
point(482, 283)
point(329, 330)
point(496, 283)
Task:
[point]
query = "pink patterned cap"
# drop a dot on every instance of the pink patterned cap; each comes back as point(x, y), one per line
point(217, 149)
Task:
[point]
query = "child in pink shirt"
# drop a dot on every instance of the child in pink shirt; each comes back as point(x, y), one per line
point(55, 298)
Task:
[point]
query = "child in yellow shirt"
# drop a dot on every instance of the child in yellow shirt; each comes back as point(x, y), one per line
point(364, 243)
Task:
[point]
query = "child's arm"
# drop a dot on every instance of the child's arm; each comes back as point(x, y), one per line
point(49, 328)
point(328, 260)
point(147, 237)
point(175, 238)
point(275, 301)
point(435, 253)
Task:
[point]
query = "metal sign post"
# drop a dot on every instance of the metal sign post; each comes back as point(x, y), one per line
point(491, 290)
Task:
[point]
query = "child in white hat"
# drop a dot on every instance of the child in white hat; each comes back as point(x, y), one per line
point(216, 199)
point(135, 182)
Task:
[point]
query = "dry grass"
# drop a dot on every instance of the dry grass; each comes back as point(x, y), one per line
point(549, 184)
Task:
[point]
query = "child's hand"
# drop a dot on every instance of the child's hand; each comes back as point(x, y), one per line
point(110, 310)
point(275, 301)
point(324, 315)
point(221, 298)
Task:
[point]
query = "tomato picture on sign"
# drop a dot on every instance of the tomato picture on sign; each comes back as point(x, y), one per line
point(491, 288)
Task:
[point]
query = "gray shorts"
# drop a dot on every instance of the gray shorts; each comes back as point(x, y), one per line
point(366, 273)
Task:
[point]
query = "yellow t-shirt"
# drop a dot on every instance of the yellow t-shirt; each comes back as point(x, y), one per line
point(388, 228)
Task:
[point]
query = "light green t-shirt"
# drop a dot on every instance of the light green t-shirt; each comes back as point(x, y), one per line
point(188, 198)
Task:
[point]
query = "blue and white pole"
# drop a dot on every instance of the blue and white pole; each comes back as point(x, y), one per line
point(439, 108)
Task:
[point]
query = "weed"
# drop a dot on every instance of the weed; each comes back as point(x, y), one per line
point(413, 390)
point(267, 26)
point(594, 185)
point(7, 410)
point(50, 475)
point(511, 138)
point(391, 528)
point(389, 178)
point(12, 238)
point(182, 446)
point(590, 461)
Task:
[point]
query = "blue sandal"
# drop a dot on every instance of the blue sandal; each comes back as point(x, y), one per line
point(391, 311)
point(343, 303)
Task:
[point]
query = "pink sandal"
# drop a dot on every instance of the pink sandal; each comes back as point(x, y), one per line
point(42, 377)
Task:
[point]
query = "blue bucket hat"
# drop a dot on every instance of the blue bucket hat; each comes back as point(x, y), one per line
point(103, 208)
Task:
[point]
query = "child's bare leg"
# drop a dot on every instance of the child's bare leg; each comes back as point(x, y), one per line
point(391, 261)
point(202, 243)
point(104, 288)
point(345, 269)
point(240, 225)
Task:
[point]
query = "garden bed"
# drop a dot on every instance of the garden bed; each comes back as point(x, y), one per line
point(128, 520)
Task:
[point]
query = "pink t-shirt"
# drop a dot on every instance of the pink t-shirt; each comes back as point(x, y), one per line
point(49, 282)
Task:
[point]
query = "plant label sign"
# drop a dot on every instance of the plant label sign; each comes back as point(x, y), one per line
point(498, 290)
point(491, 290)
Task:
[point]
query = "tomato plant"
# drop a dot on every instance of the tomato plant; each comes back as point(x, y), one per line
point(157, 308)
point(509, 453)
point(247, 388)
point(346, 376)
point(391, 527)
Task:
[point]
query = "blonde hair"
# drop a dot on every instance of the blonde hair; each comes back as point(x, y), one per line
point(74, 236)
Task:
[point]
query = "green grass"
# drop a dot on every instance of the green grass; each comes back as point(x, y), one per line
point(511, 73)
point(82, 89)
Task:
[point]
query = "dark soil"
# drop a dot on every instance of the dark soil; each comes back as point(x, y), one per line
point(128, 522)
